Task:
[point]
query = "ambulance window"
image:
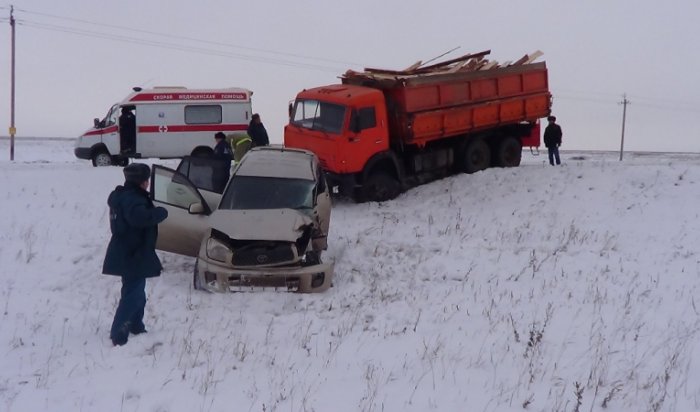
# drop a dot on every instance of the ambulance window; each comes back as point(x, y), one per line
point(112, 116)
point(206, 114)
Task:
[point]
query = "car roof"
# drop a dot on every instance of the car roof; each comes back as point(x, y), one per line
point(272, 161)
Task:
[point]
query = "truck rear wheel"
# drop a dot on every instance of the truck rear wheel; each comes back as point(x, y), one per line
point(477, 156)
point(510, 152)
point(380, 186)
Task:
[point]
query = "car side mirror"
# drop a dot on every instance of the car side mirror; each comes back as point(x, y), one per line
point(196, 208)
point(96, 122)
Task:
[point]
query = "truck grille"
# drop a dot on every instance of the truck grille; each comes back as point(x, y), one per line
point(263, 254)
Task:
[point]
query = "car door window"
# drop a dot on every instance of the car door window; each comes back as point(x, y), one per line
point(173, 188)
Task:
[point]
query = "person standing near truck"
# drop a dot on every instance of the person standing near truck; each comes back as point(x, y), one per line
point(131, 253)
point(257, 132)
point(127, 131)
point(552, 139)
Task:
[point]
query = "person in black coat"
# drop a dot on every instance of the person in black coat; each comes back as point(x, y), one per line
point(131, 254)
point(222, 151)
point(552, 139)
point(127, 131)
point(257, 132)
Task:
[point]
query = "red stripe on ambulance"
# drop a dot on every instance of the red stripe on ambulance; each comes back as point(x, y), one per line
point(109, 129)
point(159, 97)
point(190, 128)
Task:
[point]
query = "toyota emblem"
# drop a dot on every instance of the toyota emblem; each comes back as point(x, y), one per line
point(261, 258)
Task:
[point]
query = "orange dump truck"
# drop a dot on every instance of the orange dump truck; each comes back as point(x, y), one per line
point(381, 131)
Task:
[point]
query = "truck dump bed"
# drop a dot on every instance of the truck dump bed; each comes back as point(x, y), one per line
point(461, 96)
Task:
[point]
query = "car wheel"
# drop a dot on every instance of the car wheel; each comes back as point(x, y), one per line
point(202, 152)
point(196, 281)
point(510, 152)
point(101, 158)
point(477, 156)
point(379, 187)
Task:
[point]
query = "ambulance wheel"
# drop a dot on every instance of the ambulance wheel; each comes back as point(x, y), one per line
point(101, 158)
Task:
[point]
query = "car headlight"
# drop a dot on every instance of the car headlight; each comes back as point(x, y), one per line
point(218, 251)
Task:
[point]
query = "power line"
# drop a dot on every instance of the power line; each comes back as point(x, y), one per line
point(586, 99)
point(194, 39)
point(590, 93)
point(172, 46)
point(660, 106)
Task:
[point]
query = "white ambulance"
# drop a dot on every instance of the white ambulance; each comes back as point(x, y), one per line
point(169, 122)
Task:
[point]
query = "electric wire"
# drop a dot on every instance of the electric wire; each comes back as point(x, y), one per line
point(172, 46)
point(193, 39)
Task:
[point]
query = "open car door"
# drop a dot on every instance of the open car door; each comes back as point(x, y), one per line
point(188, 212)
point(322, 211)
point(209, 175)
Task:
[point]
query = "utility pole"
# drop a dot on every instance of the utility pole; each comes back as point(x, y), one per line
point(624, 104)
point(12, 88)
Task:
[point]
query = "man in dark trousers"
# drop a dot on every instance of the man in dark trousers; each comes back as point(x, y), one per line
point(222, 151)
point(257, 132)
point(552, 139)
point(131, 254)
point(127, 131)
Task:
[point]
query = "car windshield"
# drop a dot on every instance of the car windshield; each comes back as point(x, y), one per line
point(252, 192)
point(317, 115)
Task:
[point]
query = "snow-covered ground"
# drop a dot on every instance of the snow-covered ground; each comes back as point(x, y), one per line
point(535, 288)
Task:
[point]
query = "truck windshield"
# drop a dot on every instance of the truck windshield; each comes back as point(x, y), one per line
point(317, 115)
point(254, 192)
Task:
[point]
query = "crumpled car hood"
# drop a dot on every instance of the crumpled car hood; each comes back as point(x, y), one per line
point(268, 224)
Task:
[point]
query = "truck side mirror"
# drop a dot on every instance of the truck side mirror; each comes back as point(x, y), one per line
point(355, 122)
point(96, 122)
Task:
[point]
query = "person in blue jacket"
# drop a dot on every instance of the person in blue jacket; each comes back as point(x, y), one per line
point(131, 254)
point(223, 152)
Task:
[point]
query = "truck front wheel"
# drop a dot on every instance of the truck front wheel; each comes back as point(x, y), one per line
point(510, 152)
point(380, 186)
point(477, 156)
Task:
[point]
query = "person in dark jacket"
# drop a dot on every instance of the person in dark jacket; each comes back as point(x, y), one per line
point(131, 254)
point(127, 131)
point(257, 132)
point(222, 151)
point(552, 139)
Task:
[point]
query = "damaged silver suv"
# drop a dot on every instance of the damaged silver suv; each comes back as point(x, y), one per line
point(267, 227)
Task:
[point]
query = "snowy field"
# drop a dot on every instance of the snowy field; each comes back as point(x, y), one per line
point(535, 288)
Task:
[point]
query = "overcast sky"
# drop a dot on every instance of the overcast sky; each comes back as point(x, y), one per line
point(74, 59)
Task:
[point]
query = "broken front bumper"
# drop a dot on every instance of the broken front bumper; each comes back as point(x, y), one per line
point(215, 277)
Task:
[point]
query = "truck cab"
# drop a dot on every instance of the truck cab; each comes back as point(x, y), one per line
point(345, 125)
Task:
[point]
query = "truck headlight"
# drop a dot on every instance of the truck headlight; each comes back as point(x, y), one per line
point(218, 251)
